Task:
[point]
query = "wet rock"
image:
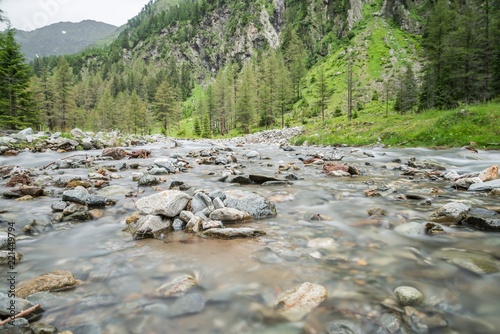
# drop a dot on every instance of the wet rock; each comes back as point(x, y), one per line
point(178, 225)
point(326, 243)
point(260, 179)
point(233, 233)
point(410, 229)
point(391, 323)
point(230, 215)
point(19, 306)
point(53, 281)
point(167, 163)
point(65, 179)
point(19, 179)
point(40, 328)
point(495, 192)
point(483, 223)
point(149, 227)
point(24, 191)
point(240, 179)
point(186, 216)
point(211, 224)
point(254, 204)
point(465, 183)
point(338, 173)
point(377, 212)
point(18, 326)
point(115, 192)
point(407, 295)
point(190, 303)
point(218, 203)
point(296, 303)
point(450, 213)
point(201, 202)
point(343, 327)
point(148, 180)
point(115, 153)
point(177, 287)
point(157, 171)
point(420, 322)
point(195, 224)
point(426, 164)
point(4, 240)
point(489, 174)
point(168, 203)
point(6, 256)
point(276, 183)
point(82, 196)
point(252, 155)
point(477, 262)
point(485, 186)
point(178, 185)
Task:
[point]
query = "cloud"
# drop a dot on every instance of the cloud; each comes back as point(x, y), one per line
point(33, 14)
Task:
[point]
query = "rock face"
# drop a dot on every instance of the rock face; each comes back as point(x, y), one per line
point(168, 203)
point(296, 303)
point(53, 281)
point(256, 205)
point(407, 295)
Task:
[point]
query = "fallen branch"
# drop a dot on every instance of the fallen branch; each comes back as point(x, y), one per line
point(20, 315)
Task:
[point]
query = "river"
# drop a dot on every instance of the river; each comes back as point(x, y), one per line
point(360, 269)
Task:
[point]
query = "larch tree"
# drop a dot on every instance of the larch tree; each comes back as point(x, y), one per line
point(167, 105)
point(63, 99)
point(16, 99)
point(245, 98)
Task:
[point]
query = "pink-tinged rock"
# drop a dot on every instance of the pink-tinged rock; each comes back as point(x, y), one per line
point(489, 174)
point(296, 303)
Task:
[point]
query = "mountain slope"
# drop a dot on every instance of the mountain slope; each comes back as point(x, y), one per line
point(62, 38)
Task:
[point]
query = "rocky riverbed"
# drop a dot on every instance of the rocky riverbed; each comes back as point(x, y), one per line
point(247, 235)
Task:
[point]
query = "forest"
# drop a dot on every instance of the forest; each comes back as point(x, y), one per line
point(139, 83)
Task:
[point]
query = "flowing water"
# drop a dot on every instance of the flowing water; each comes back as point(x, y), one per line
point(238, 278)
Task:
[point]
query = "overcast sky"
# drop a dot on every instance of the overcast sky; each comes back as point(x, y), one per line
point(33, 14)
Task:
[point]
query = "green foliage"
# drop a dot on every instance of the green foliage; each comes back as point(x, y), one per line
point(16, 108)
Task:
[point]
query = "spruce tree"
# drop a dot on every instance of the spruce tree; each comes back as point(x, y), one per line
point(16, 100)
point(64, 102)
point(167, 105)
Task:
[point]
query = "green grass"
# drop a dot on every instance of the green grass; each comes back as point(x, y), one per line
point(433, 128)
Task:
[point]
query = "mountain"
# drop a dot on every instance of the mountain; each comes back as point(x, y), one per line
point(62, 38)
point(231, 66)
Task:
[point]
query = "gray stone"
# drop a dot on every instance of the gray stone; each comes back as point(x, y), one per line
point(186, 216)
point(490, 224)
point(40, 328)
point(178, 225)
point(167, 163)
point(296, 303)
point(168, 203)
point(188, 304)
point(343, 327)
point(252, 155)
point(256, 205)
point(392, 323)
point(177, 287)
point(477, 262)
point(150, 227)
point(211, 224)
point(77, 133)
point(233, 233)
point(83, 197)
point(65, 179)
point(410, 229)
point(260, 179)
point(466, 182)
point(451, 213)
point(18, 326)
point(200, 202)
point(4, 240)
point(158, 171)
point(485, 186)
point(230, 215)
point(115, 192)
point(194, 224)
point(426, 164)
point(148, 180)
point(59, 206)
point(407, 295)
point(22, 135)
point(6, 256)
point(53, 281)
point(218, 203)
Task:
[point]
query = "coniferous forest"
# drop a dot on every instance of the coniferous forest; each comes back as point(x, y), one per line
point(209, 68)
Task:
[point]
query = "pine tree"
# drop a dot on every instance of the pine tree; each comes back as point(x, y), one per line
point(245, 99)
point(167, 105)
point(322, 93)
point(284, 93)
point(16, 100)
point(407, 96)
point(63, 99)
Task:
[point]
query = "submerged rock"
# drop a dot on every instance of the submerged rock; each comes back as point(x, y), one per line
point(296, 303)
point(233, 233)
point(483, 223)
point(477, 262)
point(53, 281)
point(485, 186)
point(407, 295)
point(177, 287)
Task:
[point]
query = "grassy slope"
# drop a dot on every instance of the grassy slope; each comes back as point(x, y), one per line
point(380, 50)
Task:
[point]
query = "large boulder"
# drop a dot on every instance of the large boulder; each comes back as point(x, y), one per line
point(168, 203)
point(450, 213)
point(256, 205)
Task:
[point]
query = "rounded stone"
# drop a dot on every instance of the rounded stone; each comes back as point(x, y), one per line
point(407, 295)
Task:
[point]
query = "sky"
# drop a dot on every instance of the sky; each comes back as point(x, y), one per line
point(32, 14)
